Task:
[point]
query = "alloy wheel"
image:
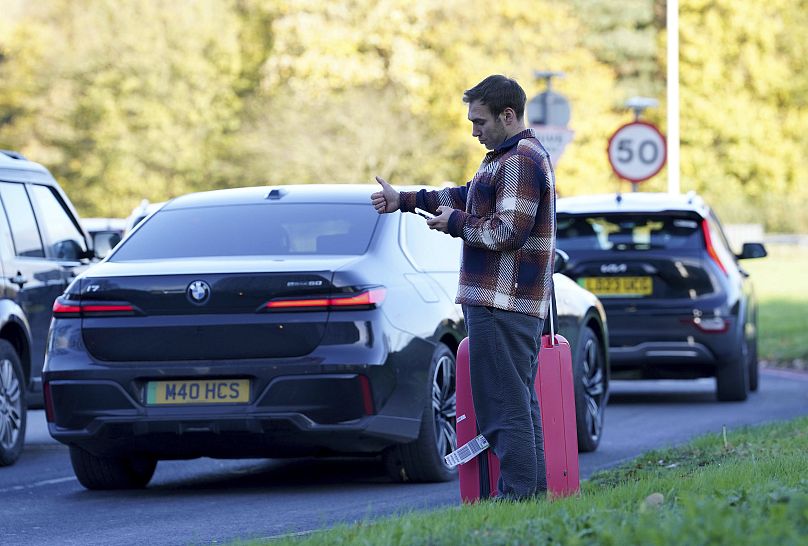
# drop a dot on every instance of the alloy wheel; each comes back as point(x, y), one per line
point(594, 383)
point(10, 405)
point(444, 405)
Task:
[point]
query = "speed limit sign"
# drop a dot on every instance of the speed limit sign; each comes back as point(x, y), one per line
point(637, 151)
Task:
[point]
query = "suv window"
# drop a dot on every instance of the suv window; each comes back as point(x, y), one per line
point(24, 231)
point(628, 232)
point(64, 240)
point(6, 244)
point(251, 230)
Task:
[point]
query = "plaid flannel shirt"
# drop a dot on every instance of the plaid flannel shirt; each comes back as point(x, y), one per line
point(506, 218)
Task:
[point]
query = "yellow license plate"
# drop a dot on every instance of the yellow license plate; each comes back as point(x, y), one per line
point(205, 391)
point(619, 286)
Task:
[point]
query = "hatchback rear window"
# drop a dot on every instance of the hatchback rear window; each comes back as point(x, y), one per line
point(628, 232)
point(277, 229)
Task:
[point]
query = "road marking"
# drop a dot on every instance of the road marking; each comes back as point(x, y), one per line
point(37, 484)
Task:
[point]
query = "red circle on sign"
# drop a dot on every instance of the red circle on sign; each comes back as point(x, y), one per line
point(633, 173)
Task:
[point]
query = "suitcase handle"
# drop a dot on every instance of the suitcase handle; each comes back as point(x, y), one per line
point(550, 318)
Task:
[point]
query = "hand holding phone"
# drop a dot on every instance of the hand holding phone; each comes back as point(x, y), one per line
point(423, 213)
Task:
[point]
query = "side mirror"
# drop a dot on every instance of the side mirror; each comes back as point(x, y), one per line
point(752, 250)
point(561, 261)
point(104, 242)
point(68, 250)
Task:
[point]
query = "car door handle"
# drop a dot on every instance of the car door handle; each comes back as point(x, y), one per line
point(19, 279)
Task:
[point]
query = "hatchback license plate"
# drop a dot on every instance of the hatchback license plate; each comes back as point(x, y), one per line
point(619, 286)
point(205, 391)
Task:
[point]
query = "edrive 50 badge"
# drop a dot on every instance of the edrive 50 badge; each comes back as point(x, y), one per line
point(198, 292)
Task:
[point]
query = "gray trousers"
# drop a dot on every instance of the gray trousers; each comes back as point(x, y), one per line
point(503, 361)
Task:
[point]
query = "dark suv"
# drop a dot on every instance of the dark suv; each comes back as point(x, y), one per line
point(42, 245)
point(679, 304)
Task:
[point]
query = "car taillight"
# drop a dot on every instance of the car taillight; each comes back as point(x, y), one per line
point(366, 299)
point(709, 325)
point(66, 310)
point(708, 242)
point(63, 308)
point(370, 297)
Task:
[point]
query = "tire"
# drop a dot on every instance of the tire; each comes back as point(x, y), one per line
point(100, 473)
point(13, 407)
point(422, 459)
point(732, 377)
point(754, 366)
point(591, 390)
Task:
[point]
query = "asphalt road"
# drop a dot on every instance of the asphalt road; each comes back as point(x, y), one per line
point(210, 501)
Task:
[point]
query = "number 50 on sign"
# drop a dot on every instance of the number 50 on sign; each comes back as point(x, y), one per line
point(637, 151)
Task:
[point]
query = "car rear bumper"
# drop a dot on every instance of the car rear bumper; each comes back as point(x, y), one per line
point(254, 435)
point(103, 418)
point(293, 411)
point(663, 360)
point(651, 352)
point(665, 342)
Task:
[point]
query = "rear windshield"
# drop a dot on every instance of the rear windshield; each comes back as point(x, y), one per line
point(252, 230)
point(628, 232)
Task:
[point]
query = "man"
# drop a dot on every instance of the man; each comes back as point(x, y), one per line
point(506, 218)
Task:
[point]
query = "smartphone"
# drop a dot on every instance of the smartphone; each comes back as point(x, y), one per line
point(425, 214)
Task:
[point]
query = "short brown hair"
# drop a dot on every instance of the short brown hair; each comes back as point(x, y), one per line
point(498, 93)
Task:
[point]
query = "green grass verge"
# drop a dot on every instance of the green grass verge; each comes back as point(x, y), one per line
point(748, 488)
point(782, 290)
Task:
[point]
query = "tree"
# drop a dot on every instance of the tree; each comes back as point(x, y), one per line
point(154, 98)
point(624, 35)
point(744, 112)
point(123, 100)
point(410, 62)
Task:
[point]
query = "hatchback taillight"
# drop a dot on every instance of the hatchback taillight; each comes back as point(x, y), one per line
point(709, 325)
point(708, 242)
point(714, 325)
point(366, 299)
point(63, 308)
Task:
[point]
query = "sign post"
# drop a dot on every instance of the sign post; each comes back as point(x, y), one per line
point(548, 114)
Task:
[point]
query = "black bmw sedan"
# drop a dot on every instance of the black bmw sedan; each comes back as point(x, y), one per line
point(273, 322)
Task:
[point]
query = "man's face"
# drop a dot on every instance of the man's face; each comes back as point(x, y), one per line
point(486, 128)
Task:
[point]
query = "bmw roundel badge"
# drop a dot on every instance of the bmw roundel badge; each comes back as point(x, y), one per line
point(198, 292)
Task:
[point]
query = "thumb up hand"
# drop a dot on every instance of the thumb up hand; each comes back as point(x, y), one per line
point(385, 200)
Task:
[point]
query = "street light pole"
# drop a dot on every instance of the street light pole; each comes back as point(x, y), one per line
point(672, 18)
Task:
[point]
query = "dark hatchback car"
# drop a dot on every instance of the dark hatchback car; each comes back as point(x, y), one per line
point(678, 302)
point(274, 322)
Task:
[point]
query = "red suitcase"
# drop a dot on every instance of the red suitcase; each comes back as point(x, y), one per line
point(555, 389)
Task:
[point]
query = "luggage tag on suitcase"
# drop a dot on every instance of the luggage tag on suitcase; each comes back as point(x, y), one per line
point(466, 452)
